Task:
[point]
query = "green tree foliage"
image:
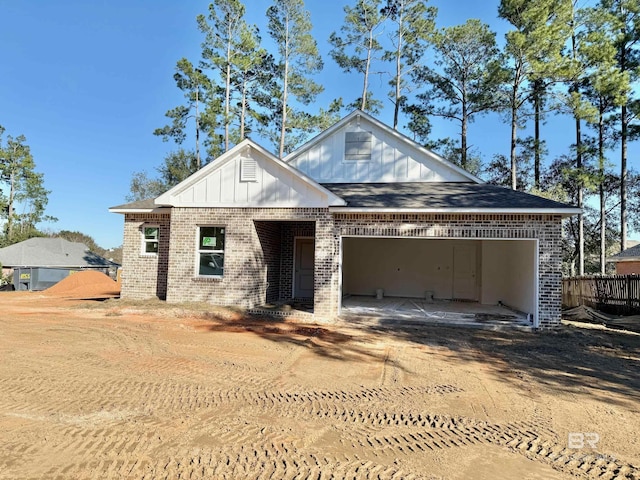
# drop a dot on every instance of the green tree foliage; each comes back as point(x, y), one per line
point(413, 25)
point(203, 106)
point(231, 50)
point(177, 166)
point(606, 88)
point(465, 79)
point(289, 26)
point(449, 149)
point(24, 203)
point(358, 46)
point(565, 181)
point(251, 77)
point(623, 28)
point(532, 51)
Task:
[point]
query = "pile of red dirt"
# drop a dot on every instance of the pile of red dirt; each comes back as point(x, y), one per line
point(85, 284)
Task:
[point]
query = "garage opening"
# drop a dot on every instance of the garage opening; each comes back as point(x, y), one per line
point(448, 280)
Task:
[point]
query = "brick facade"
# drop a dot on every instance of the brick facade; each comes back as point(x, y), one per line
point(259, 251)
point(628, 268)
point(145, 275)
point(258, 265)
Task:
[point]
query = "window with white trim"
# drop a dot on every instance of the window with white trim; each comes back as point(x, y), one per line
point(150, 238)
point(210, 256)
point(357, 145)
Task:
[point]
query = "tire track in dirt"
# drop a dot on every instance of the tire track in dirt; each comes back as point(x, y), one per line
point(430, 432)
point(277, 462)
point(577, 463)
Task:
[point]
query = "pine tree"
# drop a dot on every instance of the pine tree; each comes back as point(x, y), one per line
point(358, 46)
point(201, 106)
point(606, 88)
point(24, 187)
point(532, 52)
point(624, 29)
point(466, 77)
point(289, 26)
point(232, 50)
point(414, 23)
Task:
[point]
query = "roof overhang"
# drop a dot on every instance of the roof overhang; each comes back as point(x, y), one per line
point(138, 210)
point(564, 212)
point(623, 259)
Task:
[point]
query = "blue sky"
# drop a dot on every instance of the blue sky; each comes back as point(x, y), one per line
point(87, 82)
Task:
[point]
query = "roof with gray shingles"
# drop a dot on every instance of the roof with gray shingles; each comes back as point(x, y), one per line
point(439, 195)
point(51, 252)
point(138, 205)
point(630, 253)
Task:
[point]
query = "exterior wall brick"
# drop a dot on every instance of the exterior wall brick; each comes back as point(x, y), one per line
point(291, 230)
point(628, 268)
point(259, 252)
point(144, 275)
point(253, 264)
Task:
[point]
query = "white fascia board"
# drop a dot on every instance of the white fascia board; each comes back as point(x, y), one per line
point(565, 212)
point(390, 131)
point(622, 259)
point(138, 210)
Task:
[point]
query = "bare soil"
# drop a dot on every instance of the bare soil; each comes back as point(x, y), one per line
point(116, 389)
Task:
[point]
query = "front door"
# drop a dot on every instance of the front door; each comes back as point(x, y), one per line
point(304, 264)
point(464, 272)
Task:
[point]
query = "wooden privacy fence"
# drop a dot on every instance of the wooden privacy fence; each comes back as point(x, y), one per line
point(617, 294)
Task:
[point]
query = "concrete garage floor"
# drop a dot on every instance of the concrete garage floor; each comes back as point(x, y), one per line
point(443, 312)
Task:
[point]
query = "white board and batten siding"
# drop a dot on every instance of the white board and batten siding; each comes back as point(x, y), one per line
point(247, 179)
point(393, 159)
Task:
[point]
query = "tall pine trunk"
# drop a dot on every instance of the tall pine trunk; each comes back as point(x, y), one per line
point(603, 216)
point(580, 198)
point(365, 85)
point(576, 88)
point(12, 193)
point(398, 85)
point(463, 139)
point(285, 91)
point(623, 179)
point(227, 100)
point(537, 106)
point(514, 139)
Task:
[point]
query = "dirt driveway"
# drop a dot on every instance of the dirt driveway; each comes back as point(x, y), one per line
point(115, 390)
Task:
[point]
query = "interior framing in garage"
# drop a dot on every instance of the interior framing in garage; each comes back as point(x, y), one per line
point(505, 271)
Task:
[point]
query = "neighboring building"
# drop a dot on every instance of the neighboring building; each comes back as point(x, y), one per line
point(627, 261)
point(357, 209)
point(38, 263)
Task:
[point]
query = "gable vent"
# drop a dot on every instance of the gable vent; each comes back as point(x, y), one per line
point(248, 170)
point(357, 145)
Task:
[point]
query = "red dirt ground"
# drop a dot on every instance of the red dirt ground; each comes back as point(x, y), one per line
point(85, 284)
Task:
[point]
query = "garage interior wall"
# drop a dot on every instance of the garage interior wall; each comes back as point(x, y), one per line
point(401, 267)
point(504, 270)
point(509, 273)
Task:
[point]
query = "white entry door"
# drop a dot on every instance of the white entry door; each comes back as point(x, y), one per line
point(303, 268)
point(464, 272)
